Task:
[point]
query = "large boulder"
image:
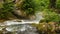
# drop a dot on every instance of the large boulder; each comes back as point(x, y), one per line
point(22, 14)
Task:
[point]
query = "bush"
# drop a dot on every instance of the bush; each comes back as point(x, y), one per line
point(6, 10)
point(32, 6)
point(29, 6)
point(58, 4)
point(50, 15)
point(42, 4)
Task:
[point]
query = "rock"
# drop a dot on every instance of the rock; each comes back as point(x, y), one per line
point(22, 15)
point(19, 29)
point(31, 17)
point(28, 30)
point(20, 12)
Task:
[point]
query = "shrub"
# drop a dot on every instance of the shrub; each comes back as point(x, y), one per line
point(32, 6)
point(50, 15)
point(58, 4)
point(6, 10)
point(29, 6)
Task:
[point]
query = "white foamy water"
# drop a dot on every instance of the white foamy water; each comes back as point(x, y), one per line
point(23, 21)
point(13, 25)
point(36, 21)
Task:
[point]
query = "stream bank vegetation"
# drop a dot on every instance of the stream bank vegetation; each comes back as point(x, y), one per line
point(51, 22)
point(10, 9)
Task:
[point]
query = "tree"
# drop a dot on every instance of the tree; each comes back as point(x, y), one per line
point(52, 3)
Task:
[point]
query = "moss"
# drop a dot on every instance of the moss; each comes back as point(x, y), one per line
point(47, 28)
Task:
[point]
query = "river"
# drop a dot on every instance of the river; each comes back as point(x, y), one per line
point(22, 26)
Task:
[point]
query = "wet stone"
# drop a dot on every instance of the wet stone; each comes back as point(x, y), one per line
point(18, 29)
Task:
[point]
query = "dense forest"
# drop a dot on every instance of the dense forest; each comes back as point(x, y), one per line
point(27, 9)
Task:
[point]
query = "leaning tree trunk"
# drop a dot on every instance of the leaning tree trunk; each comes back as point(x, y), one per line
point(52, 3)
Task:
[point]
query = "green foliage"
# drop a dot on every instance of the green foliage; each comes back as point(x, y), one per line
point(29, 6)
point(50, 15)
point(9, 1)
point(6, 10)
point(41, 4)
point(8, 6)
point(1, 4)
point(58, 4)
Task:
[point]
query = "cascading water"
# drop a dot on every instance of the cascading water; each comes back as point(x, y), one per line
point(21, 26)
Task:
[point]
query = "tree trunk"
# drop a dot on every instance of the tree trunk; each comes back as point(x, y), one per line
point(52, 3)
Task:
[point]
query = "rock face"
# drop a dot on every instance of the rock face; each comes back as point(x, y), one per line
point(23, 15)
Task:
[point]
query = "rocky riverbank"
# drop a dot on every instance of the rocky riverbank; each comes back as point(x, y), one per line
point(17, 27)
